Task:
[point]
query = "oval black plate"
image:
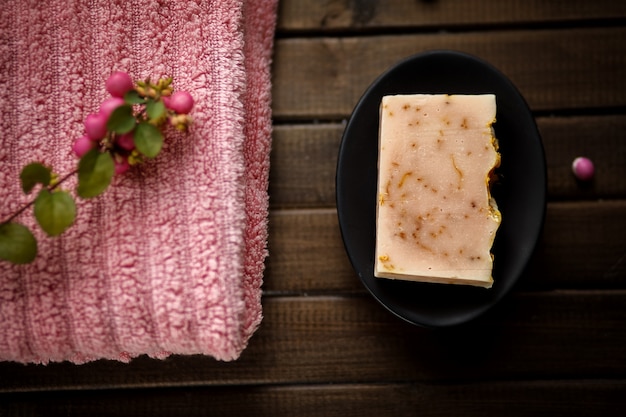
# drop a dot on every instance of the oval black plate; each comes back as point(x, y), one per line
point(520, 193)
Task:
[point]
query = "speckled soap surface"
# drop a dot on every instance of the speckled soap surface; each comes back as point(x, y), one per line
point(436, 220)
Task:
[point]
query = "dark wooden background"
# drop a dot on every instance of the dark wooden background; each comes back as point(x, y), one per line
point(556, 346)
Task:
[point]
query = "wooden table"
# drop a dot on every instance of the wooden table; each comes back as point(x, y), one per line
point(555, 346)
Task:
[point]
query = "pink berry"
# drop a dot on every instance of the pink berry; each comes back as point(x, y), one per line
point(82, 145)
point(126, 142)
point(110, 104)
point(96, 126)
point(583, 168)
point(118, 84)
point(181, 102)
point(121, 166)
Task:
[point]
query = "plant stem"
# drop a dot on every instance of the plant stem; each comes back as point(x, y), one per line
point(30, 203)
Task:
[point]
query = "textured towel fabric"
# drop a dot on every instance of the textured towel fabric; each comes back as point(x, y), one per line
point(170, 259)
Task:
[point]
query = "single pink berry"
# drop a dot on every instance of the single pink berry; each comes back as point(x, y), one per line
point(126, 141)
point(82, 145)
point(96, 126)
point(118, 84)
point(583, 168)
point(110, 104)
point(121, 165)
point(181, 102)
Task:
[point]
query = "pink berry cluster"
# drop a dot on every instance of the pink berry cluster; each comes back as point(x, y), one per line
point(123, 92)
point(127, 129)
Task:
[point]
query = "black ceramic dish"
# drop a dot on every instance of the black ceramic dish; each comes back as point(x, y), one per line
point(520, 192)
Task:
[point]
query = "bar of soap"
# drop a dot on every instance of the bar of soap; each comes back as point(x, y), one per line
point(436, 220)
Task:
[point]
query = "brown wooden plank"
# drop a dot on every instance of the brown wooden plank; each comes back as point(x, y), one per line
point(501, 398)
point(304, 159)
point(303, 162)
point(600, 138)
point(582, 246)
point(554, 69)
point(307, 340)
point(298, 15)
point(307, 254)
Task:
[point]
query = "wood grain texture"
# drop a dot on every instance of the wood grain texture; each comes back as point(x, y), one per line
point(600, 138)
point(355, 15)
point(331, 339)
point(583, 245)
point(303, 162)
point(499, 398)
point(554, 69)
point(304, 159)
point(555, 346)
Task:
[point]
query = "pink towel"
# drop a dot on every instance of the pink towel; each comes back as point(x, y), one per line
point(170, 259)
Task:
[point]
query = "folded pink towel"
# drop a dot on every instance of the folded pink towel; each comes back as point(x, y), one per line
point(170, 259)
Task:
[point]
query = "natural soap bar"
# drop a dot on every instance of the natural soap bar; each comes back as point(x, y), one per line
point(436, 219)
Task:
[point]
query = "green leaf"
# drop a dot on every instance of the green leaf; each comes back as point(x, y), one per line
point(17, 243)
point(155, 109)
point(54, 211)
point(133, 97)
point(122, 120)
point(95, 171)
point(148, 139)
point(33, 174)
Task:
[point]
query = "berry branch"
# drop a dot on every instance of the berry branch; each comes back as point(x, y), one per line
point(51, 187)
point(127, 130)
